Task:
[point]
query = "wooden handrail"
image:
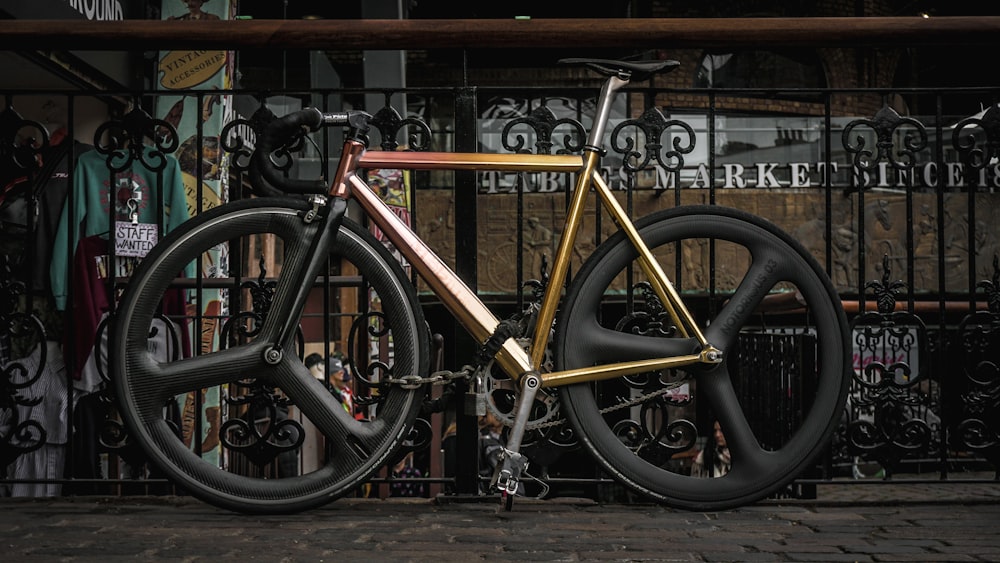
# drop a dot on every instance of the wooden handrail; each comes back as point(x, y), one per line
point(792, 302)
point(497, 33)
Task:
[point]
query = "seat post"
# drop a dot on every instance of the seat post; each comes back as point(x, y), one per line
point(604, 102)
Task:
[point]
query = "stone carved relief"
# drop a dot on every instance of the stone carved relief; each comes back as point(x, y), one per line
point(800, 214)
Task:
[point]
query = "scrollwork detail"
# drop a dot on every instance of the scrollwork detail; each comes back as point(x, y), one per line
point(389, 123)
point(653, 124)
point(543, 122)
point(885, 124)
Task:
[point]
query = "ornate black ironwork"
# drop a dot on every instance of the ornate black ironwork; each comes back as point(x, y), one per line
point(652, 319)
point(885, 124)
point(653, 125)
point(365, 328)
point(389, 123)
point(973, 155)
point(122, 141)
point(543, 122)
point(18, 146)
point(247, 324)
point(892, 409)
point(17, 436)
point(113, 434)
point(656, 435)
point(419, 438)
point(649, 318)
point(264, 431)
point(978, 429)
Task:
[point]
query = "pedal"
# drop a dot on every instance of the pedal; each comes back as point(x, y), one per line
point(508, 474)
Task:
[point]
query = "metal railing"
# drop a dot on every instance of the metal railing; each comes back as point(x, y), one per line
point(899, 209)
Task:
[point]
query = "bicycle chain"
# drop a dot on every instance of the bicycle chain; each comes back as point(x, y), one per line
point(445, 377)
point(622, 405)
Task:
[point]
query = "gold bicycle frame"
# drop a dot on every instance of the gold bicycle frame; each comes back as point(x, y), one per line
point(463, 302)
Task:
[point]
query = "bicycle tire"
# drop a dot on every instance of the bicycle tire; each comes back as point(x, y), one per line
point(757, 468)
point(142, 384)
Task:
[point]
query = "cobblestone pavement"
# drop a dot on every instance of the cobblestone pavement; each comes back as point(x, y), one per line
point(932, 522)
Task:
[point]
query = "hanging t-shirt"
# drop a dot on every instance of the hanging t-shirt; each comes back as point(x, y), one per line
point(134, 191)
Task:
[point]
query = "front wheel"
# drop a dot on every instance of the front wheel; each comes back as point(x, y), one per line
point(709, 437)
point(284, 440)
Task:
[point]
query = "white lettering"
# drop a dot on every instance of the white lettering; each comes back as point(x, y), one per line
point(491, 181)
point(548, 182)
point(765, 175)
point(734, 176)
point(823, 173)
point(623, 178)
point(800, 175)
point(930, 174)
point(664, 180)
point(883, 174)
point(99, 10)
point(701, 178)
point(954, 174)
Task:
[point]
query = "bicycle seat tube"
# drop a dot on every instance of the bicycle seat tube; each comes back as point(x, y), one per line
point(588, 178)
point(574, 215)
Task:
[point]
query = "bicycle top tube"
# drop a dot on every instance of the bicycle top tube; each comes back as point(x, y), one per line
point(471, 161)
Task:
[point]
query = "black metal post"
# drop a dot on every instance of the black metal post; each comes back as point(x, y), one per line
point(466, 265)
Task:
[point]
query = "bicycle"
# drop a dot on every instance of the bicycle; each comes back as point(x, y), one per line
point(558, 352)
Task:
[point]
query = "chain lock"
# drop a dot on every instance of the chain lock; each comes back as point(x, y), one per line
point(443, 377)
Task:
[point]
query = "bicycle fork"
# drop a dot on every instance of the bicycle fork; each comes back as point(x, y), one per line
point(327, 225)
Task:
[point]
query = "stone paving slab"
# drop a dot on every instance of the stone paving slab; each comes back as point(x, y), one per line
point(944, 524)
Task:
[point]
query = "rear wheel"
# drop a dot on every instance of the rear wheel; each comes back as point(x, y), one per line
point(775, 398)
point(275, 413)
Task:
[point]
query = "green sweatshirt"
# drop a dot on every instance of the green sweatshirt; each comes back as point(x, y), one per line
point(92, 184)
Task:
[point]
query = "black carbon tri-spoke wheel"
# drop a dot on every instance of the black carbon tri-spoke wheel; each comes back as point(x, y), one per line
point(708, 437)
point(281, 440)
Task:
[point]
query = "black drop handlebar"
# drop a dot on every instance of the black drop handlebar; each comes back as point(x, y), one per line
point(266, 176)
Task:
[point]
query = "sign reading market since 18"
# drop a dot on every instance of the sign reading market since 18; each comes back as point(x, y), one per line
point(793, 175)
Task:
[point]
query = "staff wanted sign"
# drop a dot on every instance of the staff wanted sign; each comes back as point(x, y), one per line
point(134, 239)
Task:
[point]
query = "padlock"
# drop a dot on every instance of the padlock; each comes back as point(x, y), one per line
point(475, 404)
point(475, 398)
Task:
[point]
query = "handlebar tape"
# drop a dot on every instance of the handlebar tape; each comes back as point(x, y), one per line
point(264, 174)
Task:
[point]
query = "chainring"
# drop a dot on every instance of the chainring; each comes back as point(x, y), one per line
point(501, 398)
